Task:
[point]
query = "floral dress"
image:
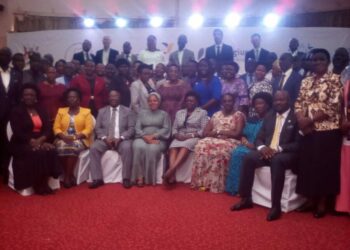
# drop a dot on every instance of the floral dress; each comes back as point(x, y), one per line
point(212, 155)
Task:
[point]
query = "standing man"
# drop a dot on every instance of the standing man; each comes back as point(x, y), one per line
point(115, 128)
point(290, 80)
point(298, 56)
point(151, 55)
point(85, 54)
point(106, 55)
point(126, 54)
point(260, 55)
point(276, 146)
point(9, 97)
point(182, 56)
point(220, 52)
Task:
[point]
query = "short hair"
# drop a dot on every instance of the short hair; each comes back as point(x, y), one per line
point(122, 61)
point(143, 66)
point(267, 97)
point(172, 65)
point(256, 34)
point(72, 89)
point(218, 30)
point(321, 51)
point(35, 56)
point(60, 61)
point(191, 93)
point(32, 86)
point(232, 63)
point(233, 96)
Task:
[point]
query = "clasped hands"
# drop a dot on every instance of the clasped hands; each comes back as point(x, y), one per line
point(267, 153)
point(38, 144)
point(306, 124)
point(112, 142)
point(70, 138)
point(150, 139)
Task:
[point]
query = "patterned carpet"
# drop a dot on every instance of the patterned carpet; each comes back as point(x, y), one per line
point(156, 218)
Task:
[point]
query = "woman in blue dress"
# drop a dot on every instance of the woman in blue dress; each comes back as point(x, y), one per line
point(208, 87)
point(262, 103)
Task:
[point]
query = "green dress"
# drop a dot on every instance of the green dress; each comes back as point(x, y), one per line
point(146, 156)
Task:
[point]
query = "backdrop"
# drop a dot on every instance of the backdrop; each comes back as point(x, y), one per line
point(64, 43)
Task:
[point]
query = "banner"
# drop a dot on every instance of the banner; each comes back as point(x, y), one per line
point(62, 44)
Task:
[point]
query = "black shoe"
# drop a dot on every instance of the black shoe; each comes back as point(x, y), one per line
point(274, 214)
point(96, 184)
point(126, 183)
point(318, 214)
point(243, 204)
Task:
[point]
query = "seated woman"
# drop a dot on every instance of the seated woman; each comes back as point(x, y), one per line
point(262, 103)
point(73, 128)
point(173, 91)
point(212, 154)
point(34, 159)
point(153, 128)
point(188, 128)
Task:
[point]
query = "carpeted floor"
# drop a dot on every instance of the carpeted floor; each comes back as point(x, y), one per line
point(156, 218)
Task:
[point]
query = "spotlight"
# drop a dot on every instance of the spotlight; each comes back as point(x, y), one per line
point(195, 21)
point(89, 22)
point(232, 20)
point(121, 22)
point(271, 20)
point(156, 21)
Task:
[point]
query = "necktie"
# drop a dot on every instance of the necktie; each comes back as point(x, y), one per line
point(112, 124)
point(282, 81)
point(276, 133)
point(87, 56)
point(127, 57)
point(217, 50)
point(256, 54)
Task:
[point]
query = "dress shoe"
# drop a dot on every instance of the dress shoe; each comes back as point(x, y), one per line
point(274, 214)
point(126, 183)
point(96, 184)
point(243, 204)
point(319, 213)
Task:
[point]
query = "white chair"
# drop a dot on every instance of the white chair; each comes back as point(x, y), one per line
point(261, 192)
point(112, 168)
point(184, 172)
point(53, 183)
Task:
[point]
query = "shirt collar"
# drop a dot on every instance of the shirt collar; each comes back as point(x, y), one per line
point(5, 71)
point(285, 114)
point(115, 107)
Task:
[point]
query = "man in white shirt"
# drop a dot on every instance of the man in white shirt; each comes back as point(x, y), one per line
point(260, 55)
point(297, 55)
point(107, 54)
point(9, 97)
point(151, 55)
point(276, 146)
point(126, 53)
point(220, 52)
point(85, 54)
point(182, 56)
point(115, 128)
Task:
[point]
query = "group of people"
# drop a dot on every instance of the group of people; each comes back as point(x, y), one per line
point(289, 112)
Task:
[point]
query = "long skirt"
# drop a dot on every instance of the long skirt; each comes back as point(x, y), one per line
point(319, 164)
point(343, 199)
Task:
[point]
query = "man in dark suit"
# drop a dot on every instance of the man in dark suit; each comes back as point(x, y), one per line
point(260, 55)
point(126, 54)
point(248, 76)
point(298, 56)
point(115, 128)
point(182, 56)
point(84, 55)
point(9, 97)
point(290, 80)
point(277, 147)
point(106, 55)
point(220, 52)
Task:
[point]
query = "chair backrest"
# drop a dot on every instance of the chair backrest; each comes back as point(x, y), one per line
point(9, 131)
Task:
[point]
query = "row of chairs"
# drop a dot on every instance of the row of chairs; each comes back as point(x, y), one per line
point(112, 173)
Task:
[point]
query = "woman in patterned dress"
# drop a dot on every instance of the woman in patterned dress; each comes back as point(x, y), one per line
point(212, 154)
point(318, 111)
point(188, 128)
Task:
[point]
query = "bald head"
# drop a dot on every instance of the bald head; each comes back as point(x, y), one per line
point(281, 101)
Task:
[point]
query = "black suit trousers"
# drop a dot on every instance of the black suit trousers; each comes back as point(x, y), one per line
point(278, 164)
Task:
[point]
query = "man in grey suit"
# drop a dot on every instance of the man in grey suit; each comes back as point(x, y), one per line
point(182, 56)
point(126, 54)
point(115, 128)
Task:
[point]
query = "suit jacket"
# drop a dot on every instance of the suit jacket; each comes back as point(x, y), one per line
point(83, 123)
point(289, 135)
point(263, 57)
point(10, 98)
point(99, 93)
point(292, 85)
point(186, 57)
point(132, 58)
point(298, 60)
point(112, 57)
point(80, 57)
point(127, 121)
point(226, 53)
